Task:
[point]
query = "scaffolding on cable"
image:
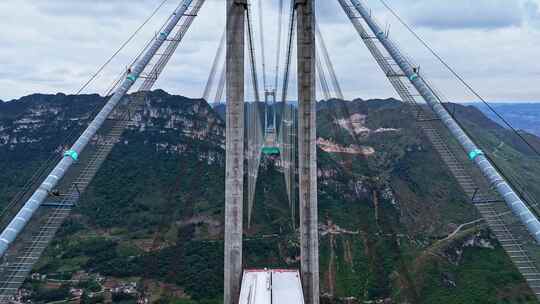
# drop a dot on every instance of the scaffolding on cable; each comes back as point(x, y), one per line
point(437, 126)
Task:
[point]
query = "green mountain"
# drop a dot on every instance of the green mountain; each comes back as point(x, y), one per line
point(151, 223)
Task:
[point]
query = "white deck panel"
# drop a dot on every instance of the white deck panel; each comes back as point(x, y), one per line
point(256, 288)
point(286, 287)
point(278, 286)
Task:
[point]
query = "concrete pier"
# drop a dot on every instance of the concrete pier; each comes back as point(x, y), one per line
point(234, 179)
point(307, 150)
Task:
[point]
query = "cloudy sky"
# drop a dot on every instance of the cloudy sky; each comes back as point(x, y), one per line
point(51, 46)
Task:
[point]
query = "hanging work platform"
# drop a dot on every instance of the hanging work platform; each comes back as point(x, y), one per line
point(271, 146)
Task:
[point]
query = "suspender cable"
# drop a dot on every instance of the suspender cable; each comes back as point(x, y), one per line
point(255, 137)
point(278, 51)
point(322, 79)
point(496, 180)
point(328, 62)
point(287, 131)
point(252, 56)
point(221, 86)
point(261, 35)
point(287, 69)
point(34, 202)
point(213, 71)
point(290, 39)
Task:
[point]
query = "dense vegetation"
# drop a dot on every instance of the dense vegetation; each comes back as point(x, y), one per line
point(154, 212)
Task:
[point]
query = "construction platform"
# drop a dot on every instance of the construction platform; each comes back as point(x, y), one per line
point(271, 147)
point(271, 286)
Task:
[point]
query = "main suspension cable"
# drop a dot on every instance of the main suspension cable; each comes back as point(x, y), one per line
point(70, 137)
point(104, 65)
point(458, 76)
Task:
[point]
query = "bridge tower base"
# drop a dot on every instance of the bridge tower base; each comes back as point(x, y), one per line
point(234, 178)
point(307, 150)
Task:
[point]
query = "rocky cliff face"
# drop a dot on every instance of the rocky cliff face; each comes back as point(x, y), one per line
point(37, 118)
point(154, 214)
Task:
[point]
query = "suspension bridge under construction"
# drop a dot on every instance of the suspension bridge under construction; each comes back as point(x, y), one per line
point(270, 126)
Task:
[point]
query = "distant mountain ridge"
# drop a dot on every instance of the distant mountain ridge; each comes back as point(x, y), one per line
point(523, 116)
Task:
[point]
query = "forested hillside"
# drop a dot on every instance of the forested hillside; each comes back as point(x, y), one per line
point(151, 223)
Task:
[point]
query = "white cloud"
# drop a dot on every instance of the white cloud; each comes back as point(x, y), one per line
point(466, 14)
point(532, 12)
point(55, 45)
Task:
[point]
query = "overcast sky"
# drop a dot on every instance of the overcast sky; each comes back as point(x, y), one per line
point(51, 46)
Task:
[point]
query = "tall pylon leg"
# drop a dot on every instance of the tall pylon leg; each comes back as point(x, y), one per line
point(307, 150)
point(234, 180)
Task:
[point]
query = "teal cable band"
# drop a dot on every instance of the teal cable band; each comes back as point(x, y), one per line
point(72, 154)
point(132, 78)
point(475, 153)
point(413, 77)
